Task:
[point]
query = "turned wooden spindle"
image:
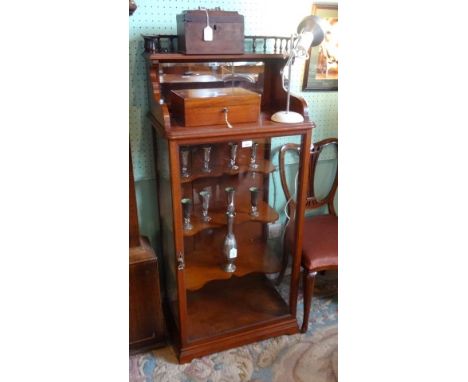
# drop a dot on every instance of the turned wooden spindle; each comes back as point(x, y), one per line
point(168, 44)
point(171, 43)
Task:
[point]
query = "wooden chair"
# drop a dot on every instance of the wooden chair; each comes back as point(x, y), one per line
point(320, 235)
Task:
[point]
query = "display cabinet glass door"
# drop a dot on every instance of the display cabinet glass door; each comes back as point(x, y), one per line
point(169, 259)
point(230, 252)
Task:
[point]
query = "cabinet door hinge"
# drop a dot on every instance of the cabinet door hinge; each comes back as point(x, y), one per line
point(180, 261)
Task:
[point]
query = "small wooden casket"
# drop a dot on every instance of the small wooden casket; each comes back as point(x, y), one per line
point(203, 107)
point(226, 34)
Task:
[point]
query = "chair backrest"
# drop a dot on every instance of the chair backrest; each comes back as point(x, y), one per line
point(312, 202)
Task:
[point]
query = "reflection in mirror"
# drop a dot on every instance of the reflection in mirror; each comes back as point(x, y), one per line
point(248, 75)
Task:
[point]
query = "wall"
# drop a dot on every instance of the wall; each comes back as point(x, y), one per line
point(159, 17)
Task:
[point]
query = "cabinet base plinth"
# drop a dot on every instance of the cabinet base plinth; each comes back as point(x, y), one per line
point(201, 348)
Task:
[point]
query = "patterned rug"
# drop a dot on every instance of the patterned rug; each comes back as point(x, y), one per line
point(312, 356)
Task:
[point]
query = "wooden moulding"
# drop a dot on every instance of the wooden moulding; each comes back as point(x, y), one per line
point(205, 107)
point(283, 326)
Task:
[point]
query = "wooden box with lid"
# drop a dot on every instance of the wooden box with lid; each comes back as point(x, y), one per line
point(227, 32)
point(215, 106)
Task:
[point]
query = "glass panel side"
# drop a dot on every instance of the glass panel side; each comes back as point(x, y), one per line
point(231, 206)
point(167, 225)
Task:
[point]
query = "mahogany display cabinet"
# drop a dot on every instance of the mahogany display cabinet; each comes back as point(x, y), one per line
point(217, 196)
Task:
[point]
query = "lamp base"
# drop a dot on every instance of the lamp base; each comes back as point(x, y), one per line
point(287, 117)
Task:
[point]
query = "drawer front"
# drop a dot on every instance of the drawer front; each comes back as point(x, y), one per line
point(216, 116)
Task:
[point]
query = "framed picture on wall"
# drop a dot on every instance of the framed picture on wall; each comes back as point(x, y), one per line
point(321, 69)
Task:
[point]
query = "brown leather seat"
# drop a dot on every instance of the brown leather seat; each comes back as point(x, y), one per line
point(320, 242)
point(320, 233)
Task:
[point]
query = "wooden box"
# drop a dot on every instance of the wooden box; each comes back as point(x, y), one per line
point(203, 107)
point(227, 28)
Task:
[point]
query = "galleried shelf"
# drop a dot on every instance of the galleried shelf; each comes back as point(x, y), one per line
point(220, 197)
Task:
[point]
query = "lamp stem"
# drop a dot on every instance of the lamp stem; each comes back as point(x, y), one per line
point(289, 87)
point(289, 63)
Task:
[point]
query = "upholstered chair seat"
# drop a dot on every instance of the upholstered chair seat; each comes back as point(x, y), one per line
point(320, 243)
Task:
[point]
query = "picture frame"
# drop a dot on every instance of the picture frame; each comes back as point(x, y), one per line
point(321, 68)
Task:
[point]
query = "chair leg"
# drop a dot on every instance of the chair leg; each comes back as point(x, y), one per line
point(284, 264)
point(308, 281)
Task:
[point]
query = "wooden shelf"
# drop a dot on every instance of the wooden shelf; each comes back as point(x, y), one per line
point(227, 306)
point(219, 133)
point(266, 214)
point(264, 167)
point(205, 262)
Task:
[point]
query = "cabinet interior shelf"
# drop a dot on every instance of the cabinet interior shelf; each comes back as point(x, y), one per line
point(266, 214)
point(264, 167)
point(205, 262)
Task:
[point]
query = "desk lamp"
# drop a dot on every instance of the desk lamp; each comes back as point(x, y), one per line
point(309, 33)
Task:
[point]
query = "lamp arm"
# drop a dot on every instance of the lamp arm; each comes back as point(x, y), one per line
point(286, 66)
point(292, 54)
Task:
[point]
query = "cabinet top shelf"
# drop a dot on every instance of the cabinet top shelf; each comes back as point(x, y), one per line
point(263, 127)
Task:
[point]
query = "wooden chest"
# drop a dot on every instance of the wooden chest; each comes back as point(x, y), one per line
point(203, 107)
point(227, 29)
